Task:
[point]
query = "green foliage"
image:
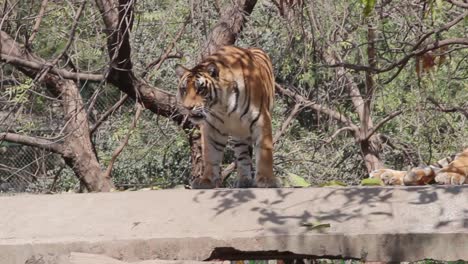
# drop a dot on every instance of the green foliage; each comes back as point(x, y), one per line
point(18, 94)
point(368, 6)
point(294, 180)
point(371, 182)
point(158, 151)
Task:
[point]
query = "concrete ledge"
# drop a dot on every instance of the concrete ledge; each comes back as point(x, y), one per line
point(369, 223)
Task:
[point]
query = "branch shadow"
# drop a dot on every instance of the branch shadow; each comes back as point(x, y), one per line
point(274, 212)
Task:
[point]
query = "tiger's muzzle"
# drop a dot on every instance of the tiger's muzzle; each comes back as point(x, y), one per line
point(196, 114)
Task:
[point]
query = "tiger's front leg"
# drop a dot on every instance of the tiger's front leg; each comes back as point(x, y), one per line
point(264, 177)
point(243, 154)
point(213, 144)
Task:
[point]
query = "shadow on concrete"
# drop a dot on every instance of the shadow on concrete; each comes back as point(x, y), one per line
point(346, 204)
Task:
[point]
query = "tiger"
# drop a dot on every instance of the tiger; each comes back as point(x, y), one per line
point(449, 170)
point(231, 93)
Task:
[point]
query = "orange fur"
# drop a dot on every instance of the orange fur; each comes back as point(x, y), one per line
point(445, 171)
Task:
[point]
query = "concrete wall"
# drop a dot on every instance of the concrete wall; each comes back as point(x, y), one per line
point(369, 223)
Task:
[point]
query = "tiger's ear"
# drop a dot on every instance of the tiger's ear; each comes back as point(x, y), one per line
point(212, 69)
point(180, 70)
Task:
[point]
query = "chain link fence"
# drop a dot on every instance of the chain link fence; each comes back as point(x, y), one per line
point(149, 160)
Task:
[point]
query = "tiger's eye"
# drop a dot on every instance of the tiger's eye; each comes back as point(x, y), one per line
point(200, 87)
point(182, 89)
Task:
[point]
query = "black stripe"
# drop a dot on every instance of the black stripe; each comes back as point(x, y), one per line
point(215, 92)
point(244, 153)
point(237, 92)
point(215, 128)
point(257, 117)
point(248, 105)
point(217, 117)
point(236, 145)
point(242, 158)
point(213, 96)
point(247, 92)
point(217, 143)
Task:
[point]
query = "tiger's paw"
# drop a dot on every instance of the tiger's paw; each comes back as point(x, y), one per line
point(204, 183)
point(244, 182)
point(450, 178)
point(388, 176)
point(266, 182)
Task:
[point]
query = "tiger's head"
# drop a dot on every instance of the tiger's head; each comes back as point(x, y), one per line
point(197, 90)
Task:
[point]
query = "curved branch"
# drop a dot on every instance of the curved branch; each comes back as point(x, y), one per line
point(381, 123)
point(337, 132)
point(445, 27)
point(108, 113)
point(459, 4)
point(443, 108)
point(158, 62)
point(33, 142)
point(316, 107)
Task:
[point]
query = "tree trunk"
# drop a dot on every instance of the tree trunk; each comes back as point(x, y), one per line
point(78, 149)
point(370, 150)
point(372, 146)
point(76, 146)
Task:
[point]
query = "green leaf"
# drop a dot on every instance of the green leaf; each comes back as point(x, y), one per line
point(368, 6)
point(371, 182)
point(297, 181)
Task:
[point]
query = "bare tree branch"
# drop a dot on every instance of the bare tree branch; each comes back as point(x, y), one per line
point(77, 76)
point(438, 44)
point(459, 4)
point(158, 62)
point(38, 20)
point(295, 111)
point(314, 106)
point(71, 37)
point(32, 142)
point(337, 132)
point(445, 27)
point(381, 123)
point(443, 108)
point(124, 142)
point(109, 112)
point(415, 51)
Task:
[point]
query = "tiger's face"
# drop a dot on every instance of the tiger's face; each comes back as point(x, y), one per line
point(197, 90)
